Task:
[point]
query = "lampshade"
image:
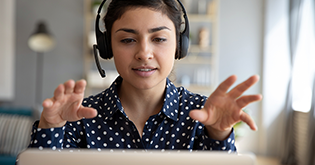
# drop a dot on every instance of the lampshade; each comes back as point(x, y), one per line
point(41, 40)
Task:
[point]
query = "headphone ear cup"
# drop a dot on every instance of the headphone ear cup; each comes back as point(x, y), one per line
point(100, 45)
point(104, 47)
point(184, 44)
point(107, 46)
point(184, 36)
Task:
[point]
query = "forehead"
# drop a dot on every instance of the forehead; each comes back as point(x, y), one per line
point(143, 17)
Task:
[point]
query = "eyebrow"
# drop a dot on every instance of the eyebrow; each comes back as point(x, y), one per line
point(150, 30)
point(158, 29)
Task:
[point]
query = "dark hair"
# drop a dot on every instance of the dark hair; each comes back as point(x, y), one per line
point(118, 7)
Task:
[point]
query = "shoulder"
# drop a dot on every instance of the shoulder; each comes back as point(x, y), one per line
point(108, 94)
point(93, 100)
point(187, 97)
point(106, 101)
point(184, 97)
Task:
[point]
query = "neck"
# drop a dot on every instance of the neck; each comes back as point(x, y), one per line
point(142, 101)
point(140, 104)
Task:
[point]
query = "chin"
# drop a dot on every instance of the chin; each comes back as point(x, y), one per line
point(148, 83)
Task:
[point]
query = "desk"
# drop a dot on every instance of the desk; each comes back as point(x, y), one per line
point(262, 160)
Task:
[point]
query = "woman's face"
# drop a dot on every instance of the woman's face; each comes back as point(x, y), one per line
point(144, 45)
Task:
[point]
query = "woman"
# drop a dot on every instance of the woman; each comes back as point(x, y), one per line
point(142, 109)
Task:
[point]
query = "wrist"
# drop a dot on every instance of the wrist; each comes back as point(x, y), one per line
point(218, 134)
point(43, 123)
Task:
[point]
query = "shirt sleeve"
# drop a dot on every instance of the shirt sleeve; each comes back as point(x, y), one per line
point(206, 143)
point(55, 138)
point(46, 138)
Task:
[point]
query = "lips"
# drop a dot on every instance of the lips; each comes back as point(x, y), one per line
point(144, 68)
point(144, 71)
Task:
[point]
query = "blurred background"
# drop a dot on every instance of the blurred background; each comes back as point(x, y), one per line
point(272, 38)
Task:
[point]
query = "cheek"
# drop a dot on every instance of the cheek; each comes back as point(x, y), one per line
point(171, 51)
point(120, 59)
point(120, 65)
point(167, 58)
point(115, 49)
point(120, 55)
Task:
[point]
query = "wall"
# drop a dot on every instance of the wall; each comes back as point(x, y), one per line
point(7, 46)
point(66, 22)
point(253, 39)
point(241, 30)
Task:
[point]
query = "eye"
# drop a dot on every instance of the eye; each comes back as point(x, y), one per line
point(159, 40)
point(127, 40)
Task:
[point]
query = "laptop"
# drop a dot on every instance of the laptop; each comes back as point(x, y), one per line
point(132, 157)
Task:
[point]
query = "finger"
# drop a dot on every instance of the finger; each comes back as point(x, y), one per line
point(248, 120)
point(200, 115)
point(59, 92)
point(225, 85)
point(69, 86)
point(245, 100)
point(47, 103)
point(79, 86)
point(86, 112)
point(241, 88)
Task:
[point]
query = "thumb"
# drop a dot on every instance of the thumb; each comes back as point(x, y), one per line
point(199, 114)
point(86, 112)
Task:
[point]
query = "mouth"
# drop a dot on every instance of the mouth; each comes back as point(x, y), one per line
point(144, 70)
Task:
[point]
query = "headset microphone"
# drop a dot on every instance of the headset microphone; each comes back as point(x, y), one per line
point(101, 40)
point(97, 61)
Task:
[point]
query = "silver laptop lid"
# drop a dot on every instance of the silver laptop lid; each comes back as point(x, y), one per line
point(132, 157)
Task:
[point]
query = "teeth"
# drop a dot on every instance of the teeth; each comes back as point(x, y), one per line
point(145, 70)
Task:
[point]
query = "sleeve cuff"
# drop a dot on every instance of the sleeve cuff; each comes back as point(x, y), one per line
point(225, 145)
point(46, 138)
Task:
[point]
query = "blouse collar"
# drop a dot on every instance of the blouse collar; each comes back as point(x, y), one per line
point(112, 102)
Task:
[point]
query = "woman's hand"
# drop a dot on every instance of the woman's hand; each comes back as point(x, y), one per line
point(65, 105)
point(223, 109)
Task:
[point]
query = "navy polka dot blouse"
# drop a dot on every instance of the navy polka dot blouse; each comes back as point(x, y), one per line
point(171, 128)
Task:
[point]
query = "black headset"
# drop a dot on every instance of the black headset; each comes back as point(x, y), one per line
point(104, 46)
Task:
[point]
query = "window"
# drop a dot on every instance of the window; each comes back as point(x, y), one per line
point(304, 63)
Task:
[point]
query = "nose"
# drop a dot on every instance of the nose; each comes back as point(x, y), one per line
point(145, 51)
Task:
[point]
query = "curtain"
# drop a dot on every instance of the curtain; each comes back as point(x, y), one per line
point(289, 157)
point(289, 148)
point(301, 92)
point(311, 149)
point(312, 116)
